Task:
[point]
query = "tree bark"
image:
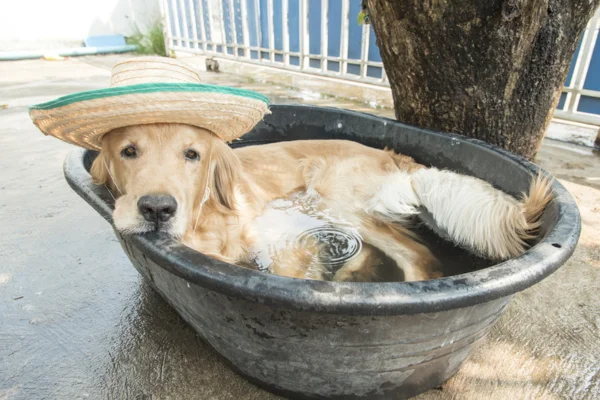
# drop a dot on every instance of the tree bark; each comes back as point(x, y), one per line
point(491, 69)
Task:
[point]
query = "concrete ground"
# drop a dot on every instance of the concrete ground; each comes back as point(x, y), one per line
point(77, 321)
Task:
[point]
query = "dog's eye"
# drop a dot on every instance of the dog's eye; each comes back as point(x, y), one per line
point(129, 152)
point(192, 155)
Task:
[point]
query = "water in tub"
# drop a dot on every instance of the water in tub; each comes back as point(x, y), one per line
point(297, 235)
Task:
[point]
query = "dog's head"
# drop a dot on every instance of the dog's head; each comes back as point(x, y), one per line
point(160, 172)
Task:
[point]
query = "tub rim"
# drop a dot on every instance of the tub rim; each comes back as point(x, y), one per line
point(353, 298)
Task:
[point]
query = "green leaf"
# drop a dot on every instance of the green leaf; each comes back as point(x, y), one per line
point(361, 17)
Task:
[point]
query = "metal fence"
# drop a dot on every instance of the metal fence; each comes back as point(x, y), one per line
point(323, 37)
point(580, 100)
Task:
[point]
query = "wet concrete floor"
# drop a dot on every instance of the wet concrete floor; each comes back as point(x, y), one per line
point(78, 322)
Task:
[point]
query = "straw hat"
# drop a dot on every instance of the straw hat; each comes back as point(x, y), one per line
point(148, 90)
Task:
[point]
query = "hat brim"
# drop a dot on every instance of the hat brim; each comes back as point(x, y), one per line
point(83, 118)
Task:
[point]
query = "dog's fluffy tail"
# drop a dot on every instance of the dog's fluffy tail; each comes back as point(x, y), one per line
point(535, 202)
point(478, 217)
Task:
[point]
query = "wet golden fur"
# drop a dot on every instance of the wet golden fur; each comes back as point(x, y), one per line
point(371, 188)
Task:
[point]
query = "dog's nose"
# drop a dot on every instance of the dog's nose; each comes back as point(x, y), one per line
point(156, 208)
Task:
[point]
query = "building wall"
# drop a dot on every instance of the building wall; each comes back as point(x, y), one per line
point(34, 24)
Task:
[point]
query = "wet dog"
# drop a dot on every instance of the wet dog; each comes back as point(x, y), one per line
point(187, 182)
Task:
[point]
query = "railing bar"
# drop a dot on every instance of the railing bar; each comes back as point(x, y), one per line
point(210, 28)
point(271, 30)
point(258, 30)
point(223, 35)
point(587, 60)
point(364, 52)
point(583, 92)
point(286, 33)
point(344, 37)
point(202, 28)
point(185, 32)
point(193, 18)
point(586, 118)
point(176, 19)
point(245, 29)
point(324, 34)
point(304, 35)
point(232, 28)
point(164, 11)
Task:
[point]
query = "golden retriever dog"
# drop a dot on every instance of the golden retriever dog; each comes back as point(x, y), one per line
point(187, 182)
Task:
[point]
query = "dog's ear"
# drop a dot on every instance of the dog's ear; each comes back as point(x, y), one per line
point(98, 170)
point(225, 177)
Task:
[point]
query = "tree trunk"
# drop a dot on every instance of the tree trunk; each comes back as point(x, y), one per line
point(491, 69)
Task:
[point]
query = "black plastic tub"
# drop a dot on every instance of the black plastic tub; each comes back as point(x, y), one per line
point(316, 339)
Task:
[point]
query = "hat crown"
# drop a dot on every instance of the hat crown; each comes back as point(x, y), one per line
point(152, 70)
point(150, 90)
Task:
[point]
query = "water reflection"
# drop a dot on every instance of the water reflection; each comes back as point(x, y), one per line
point(297, 234)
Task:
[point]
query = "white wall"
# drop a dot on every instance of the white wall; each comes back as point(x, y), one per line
point(32, 23)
